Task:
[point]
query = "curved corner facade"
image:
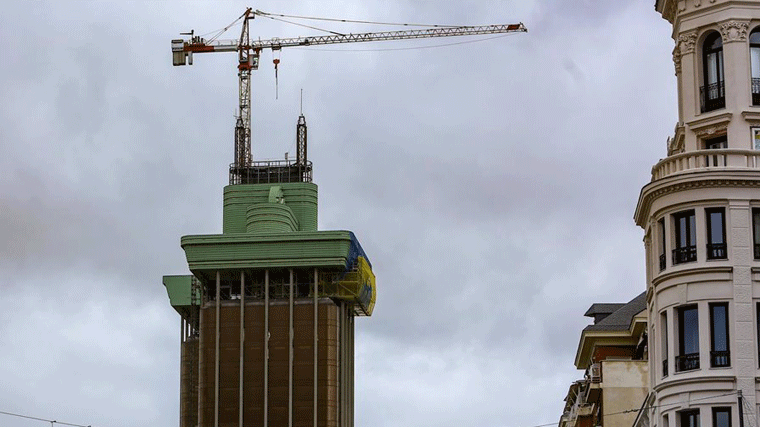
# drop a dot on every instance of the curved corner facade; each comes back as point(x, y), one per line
point(701, 218)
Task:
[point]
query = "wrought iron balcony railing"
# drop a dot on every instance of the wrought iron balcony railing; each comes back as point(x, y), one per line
point(712, 96)
point(720, 359)
point(755, 91)
point(687, 362)
point(717, 251)
point(684, 254)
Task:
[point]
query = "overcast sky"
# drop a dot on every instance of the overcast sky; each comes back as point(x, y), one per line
point(492, 185)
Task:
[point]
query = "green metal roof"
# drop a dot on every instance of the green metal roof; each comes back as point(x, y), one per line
point(179, 289)
point(208, 253)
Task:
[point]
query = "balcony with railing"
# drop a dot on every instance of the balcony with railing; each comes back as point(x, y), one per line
point(684, 254)
point(717, 251)
point(720, 359)
point(755, 91)
point(712, 96)
point(687, 362)
point(706, 160)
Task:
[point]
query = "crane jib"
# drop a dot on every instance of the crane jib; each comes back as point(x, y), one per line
point(198, 45)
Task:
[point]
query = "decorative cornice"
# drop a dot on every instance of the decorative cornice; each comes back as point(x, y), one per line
point(676, 143)
point(702, 125)
point(698, 3)
point(687, 42)
point(648, 196)
point(669, 11)
point(675, 381)
point(734, 31)
point(751, 116)
point(719, 129)
point(691, 271)
point(677, 59)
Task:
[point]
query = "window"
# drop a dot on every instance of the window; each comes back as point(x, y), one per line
point(688, 339)
point(664, 341)
point(716, 143)
point(721, 417)
point(661, 226)
point(689, 418)
point(754, 55)
point(756, 231)
point(757, 311)
point(716, 233)
point(720, 356)
point(756, 138)
point(713, 93)
point(686, 239)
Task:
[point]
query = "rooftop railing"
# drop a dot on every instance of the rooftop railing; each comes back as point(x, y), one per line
point(271, 172)
point(693, 161)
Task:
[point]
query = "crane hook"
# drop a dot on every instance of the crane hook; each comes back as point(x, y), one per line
point(276, 86)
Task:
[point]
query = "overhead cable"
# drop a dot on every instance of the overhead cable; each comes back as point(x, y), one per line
point(645, 408)
point(28, 417)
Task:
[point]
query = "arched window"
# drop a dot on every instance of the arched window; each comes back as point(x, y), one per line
point(754, 56)
point(713, 93)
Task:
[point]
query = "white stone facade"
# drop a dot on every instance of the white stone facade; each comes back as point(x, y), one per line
point(701, 214)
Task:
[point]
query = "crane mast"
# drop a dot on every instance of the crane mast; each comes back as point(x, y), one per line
point(243, 124)
point(248, 59)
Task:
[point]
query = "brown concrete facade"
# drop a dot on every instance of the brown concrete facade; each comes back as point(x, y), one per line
point(287, 388)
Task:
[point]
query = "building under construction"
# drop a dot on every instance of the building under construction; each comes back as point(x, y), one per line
point(268, 312)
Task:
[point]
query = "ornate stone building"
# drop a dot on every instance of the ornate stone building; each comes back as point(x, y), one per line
point(701, 220)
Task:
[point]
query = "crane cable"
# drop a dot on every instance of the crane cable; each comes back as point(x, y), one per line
point(296, 23)
point(221, 31)
point(260, 13)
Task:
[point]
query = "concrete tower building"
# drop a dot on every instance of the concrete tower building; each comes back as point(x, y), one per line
point(267, 315)
point(701, 217)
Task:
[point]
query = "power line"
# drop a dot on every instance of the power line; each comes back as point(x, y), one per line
point(646, 408)
point(43, 419)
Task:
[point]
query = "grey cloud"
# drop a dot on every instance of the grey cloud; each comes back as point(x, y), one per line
point(492, 190)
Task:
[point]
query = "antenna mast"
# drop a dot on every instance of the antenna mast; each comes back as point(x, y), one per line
point(301, 160)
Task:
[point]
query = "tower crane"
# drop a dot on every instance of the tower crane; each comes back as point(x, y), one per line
point(248, 59)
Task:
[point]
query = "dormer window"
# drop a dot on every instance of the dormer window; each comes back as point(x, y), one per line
point(754, 55)
point(713, 93)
